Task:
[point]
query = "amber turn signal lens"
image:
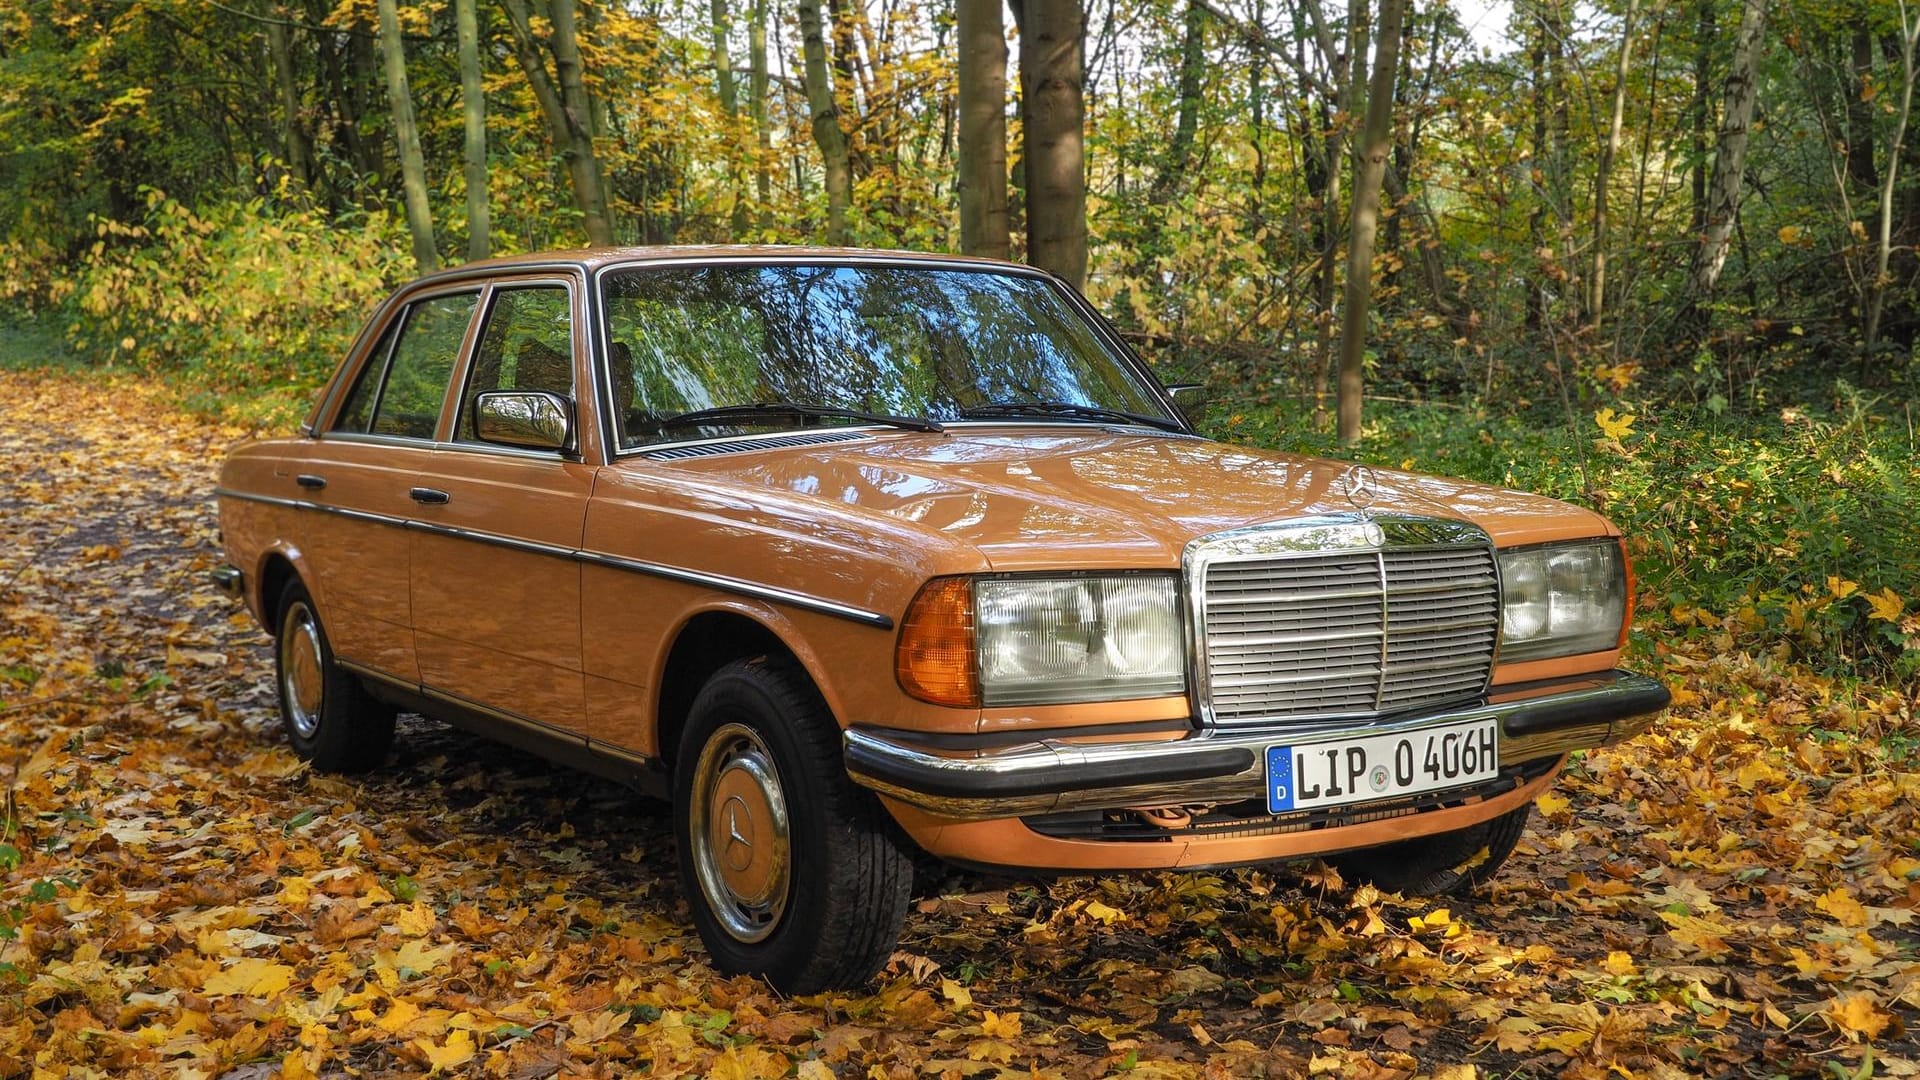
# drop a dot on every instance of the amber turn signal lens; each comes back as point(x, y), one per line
point(935, 659)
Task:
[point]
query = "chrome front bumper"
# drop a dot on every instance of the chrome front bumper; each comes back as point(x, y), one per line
point(977, 779)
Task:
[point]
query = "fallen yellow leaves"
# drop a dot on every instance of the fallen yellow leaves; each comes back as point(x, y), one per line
point(1731, 894)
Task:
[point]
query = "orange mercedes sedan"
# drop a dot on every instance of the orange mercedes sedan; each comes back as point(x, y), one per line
point(859, 557)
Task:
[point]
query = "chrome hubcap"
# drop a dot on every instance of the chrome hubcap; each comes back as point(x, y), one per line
point(741, 846)
point(301, 680)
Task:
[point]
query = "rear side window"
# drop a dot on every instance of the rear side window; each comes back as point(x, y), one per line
point(357, 414)
point(408, 404)
point(527, 345)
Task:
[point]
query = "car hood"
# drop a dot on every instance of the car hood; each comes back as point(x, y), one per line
point(1035, 498)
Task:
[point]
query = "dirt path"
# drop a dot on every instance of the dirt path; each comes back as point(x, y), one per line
point(1731, 895)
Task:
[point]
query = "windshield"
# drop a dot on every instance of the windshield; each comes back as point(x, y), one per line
point(892, 341)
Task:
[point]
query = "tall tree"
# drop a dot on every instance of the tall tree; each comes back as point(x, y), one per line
point(413, 170)
point(826, 121)
point(1376, 140)
point(757, 105)
point(730, 107)
point(1730, 157)
point(1052, 76)
point(298, 144)
point(982, 164)
point(1883, 236)
point(1603, 171)
point(473, 107)
point(562, 96)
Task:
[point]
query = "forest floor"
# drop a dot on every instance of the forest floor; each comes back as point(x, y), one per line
point(1732, 894)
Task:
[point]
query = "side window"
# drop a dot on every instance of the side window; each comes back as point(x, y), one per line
point(423, 358)
point(527, 345)
point(357, 414)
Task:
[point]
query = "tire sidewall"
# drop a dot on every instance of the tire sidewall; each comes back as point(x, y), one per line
point(296, 594)
point(746, 696)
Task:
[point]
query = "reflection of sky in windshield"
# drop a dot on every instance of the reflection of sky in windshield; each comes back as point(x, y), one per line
point(905, 340)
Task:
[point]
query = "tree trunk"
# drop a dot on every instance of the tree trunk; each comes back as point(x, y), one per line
point(826, 122)
point(1173, 164)
point(566, 110)
point(1702, 109)
point(1860, 114)
point(1730, 159)
point(294, 130)
point(730, 106)
point(757, 105)
point(1350, 75)
point(1883, 239)
point(1370, 171)
point(473, 103)
point(1597, 284)
point(982, 173)
point(413, 171)
point(1052, 75)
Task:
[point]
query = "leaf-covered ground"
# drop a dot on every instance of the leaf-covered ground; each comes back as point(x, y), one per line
point(1731, 895)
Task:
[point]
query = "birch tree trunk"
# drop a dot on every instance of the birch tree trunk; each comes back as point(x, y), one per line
point(1052, 77)
point(826, 122)
point(1369, 173)
point(473, 105)
point(982, 167)
point(566, 109)
point(1730, 159)
point(1603, 172)
point(413, 171)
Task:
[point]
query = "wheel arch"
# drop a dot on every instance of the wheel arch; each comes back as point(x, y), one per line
point(277, 566)
point(708, 640)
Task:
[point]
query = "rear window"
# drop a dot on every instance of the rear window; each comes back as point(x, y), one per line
point(402, 396)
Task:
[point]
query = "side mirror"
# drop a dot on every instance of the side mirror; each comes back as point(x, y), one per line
point(533, 419)
point(1192, 400)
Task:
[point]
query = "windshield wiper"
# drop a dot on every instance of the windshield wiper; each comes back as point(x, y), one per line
point(1072, 410)
point(725, 413)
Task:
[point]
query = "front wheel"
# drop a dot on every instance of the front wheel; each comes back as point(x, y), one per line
point(1454, 862)
point(792, 872)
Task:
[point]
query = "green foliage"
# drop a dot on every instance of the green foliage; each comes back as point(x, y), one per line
point(235, 298)
point(1759, 533)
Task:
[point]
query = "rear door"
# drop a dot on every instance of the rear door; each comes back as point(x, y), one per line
point(361, 473)
point(496, 590)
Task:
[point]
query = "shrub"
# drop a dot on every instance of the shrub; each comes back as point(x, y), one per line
point(237, 297)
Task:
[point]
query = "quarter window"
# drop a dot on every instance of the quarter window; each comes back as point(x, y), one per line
point(422, 363)
point(527, 345)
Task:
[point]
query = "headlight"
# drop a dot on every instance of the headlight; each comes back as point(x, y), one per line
point(1044, 640)
point(1562, 599)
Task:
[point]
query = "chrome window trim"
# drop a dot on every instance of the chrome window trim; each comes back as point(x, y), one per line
point(1324, 535)
point(719, 582)
point(596, 290)
point(489, 302)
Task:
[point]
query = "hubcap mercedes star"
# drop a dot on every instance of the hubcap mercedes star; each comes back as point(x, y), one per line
point(301, 680)
point(740, 838)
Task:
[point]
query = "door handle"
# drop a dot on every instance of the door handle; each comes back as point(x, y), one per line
point(431, 496)
point(310, 481)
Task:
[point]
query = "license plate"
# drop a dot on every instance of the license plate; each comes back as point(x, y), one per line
point(1334, 772)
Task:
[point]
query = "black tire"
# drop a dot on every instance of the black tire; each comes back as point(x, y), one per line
point(830, 915)
point(344, 730)
point(1437, 865)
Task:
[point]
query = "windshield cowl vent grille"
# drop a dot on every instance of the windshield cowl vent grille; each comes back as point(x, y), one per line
point(757, 442)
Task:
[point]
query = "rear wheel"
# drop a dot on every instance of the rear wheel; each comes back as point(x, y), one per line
point(793, 872)
point(1438, 865)
point(330, 718)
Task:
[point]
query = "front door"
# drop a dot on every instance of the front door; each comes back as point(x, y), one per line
point(496, 591)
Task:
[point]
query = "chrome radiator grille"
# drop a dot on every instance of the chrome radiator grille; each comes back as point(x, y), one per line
point(1354, 634)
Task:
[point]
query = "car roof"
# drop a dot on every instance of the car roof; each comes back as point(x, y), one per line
point(591, 259)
